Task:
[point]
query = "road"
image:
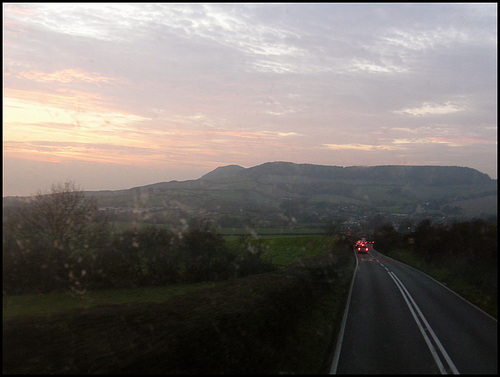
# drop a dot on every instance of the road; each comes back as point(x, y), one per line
point(399, 320)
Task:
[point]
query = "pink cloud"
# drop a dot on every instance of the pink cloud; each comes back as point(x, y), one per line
point(461, 140)
point(67, 76)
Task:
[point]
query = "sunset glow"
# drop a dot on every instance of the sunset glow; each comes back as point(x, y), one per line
point(115, 96)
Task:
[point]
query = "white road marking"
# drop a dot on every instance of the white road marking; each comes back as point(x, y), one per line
point(444, 286)
point(338, 348)
point(417, 315)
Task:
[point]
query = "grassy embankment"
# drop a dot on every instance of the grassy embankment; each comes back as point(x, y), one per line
point(285, 321)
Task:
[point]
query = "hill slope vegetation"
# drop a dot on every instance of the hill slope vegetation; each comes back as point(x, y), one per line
point(285, 194)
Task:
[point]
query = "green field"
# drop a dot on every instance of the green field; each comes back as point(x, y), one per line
point(267, 232)
point(280, 251)
point(59, 302)
point(283, 251)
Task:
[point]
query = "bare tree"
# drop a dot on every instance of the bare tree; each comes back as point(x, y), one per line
point(62, 218)
point(55, 236)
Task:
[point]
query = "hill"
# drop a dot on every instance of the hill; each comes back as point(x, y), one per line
point(223, 171)
point(287, 194)
point(419, 175)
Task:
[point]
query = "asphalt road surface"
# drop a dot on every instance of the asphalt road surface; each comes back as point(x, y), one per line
point(399, 320)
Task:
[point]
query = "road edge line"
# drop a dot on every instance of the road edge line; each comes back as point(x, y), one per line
point(338, 347)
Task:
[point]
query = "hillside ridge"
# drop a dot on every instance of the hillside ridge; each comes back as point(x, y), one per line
point(278, 192)
point(415, 174)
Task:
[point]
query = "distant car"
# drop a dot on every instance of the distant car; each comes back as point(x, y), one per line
point(361, 247)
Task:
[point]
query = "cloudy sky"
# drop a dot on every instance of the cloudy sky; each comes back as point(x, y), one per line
point(123, 95)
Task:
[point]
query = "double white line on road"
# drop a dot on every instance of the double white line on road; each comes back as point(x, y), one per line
point(424, 327)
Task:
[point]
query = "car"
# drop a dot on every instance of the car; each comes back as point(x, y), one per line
point(361, 247)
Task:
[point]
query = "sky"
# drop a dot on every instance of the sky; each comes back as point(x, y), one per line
point(119, 95)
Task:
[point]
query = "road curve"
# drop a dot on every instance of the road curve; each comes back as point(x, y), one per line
point(400, 320)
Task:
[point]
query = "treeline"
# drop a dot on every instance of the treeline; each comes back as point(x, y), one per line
point(467, 251)
point(59, 242)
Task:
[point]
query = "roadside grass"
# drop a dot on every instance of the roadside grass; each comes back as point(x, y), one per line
point(316, 334)
point(319, 331)
point(60, 301)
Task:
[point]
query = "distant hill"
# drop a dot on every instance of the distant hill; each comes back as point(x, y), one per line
point(274, 192)
point(404, 175)
point(224, 171)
